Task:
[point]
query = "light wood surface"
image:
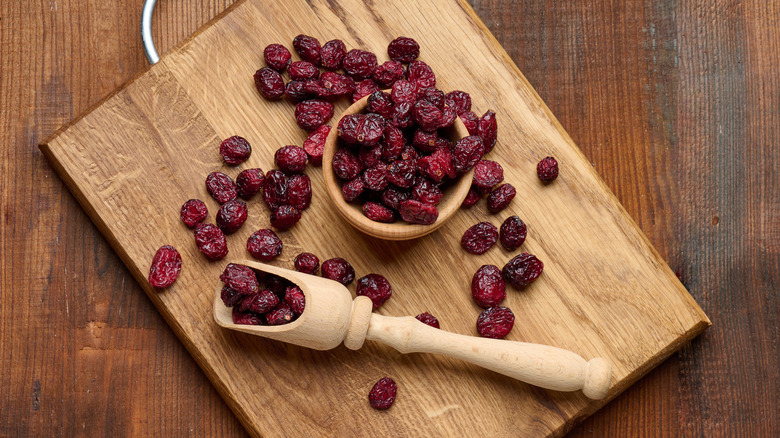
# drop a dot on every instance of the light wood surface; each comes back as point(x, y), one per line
point(605, 292)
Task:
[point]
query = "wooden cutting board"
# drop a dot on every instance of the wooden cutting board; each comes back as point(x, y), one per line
point(134, 159)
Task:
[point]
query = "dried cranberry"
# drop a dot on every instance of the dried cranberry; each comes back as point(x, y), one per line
point(378, 212)
point(231, 216)
point(421, 74)
point(393, 197)
point(404, 91)
point(338, 269)
point(332, 54)
point(375, 287)
point(311, 114)
point(240, 278)
point(437, 165)
point(523, 270)
point(512, 233)
point(293, 295)
point(303, 70)
point(260, 302)
point(427, 192)
point(363, 89)
point(403, 115)
point(479, 238)
point(417, 212)
point(345, 164)
point(275, 189)
point(165, 268)
point(235, 150)
point(403, 49)
point(211, 241)
point(487, 174)
point(482, 191)
point(370, 157)
point(380, 103)
point(388, 73)
point(433, 95)
point(284, 217)
point(547, 169)
point(249, 182)
point(427, 115)
point(471, 121)
point(193, 212)
point(221, 187)
point(427, 318)
point(307, 263)
point(459, 100)
point(299, 191)
point(448, 116)
point(472, 197)
point(298, 91)
point(495, 322)
point(276, 284)
point(277, 57)
point(425, 141)
point(308, 48)
point(246, 318)
point(291, 159)
point(372, 130)
point(487, 286)
point(359, 63)
point(487, 129)
point(269, 83)
point(282, 314)
point(264, 245)
point(314, 145)
point(336, 85)
point(393, 142)
point(375, 178)
point(500, 198)
point(353, 189)
point(466, 153)
point(383, 393)
point(402, 173)
point(230, 296)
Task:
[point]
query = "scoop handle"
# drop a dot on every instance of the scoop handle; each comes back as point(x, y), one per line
point(540, 365)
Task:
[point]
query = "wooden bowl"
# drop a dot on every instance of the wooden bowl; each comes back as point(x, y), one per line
point(454, 193)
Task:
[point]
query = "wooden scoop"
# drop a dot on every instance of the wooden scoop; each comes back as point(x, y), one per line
point(332, 316)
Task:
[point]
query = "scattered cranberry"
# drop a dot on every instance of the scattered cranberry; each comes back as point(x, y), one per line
point(404, 91)
point(211, 241)
point(346, 164)
point(221, 187)
point(230, 297)
point(427, 115)
point(488, 173)
point(460, 101)
point(193, 212)
point(500, 198)
point(471, 121)
point(466, 153)
point(359, 64)
point(403, 49)
point(284, 217)
point(264, 245)
point(495, 322)
point(427, 192)
point(479, 238)
point(363, 89)
point(402, 173)
point(246, 318)
point(512, 233)
point(282, 314)
point(314, 145)
point(336, 85)
point(332, 54)
point(416, 212)
point(240, 278)
point(487, 286)
point(299, 191)
point(472, 197)
point(547, 170)
point(275, 189)
point(277, 57)
point(375, 287)
point(298, 91)
point(421, 74)
point(291, 159)
point(261, 302)
point(382, 395)
point(351, 190)
point(523, 270)
point(231, 216)
point(403, 115)
point(308, 48)
point(380, 103)
point(375, 178)
point(388, 73)
point(339, 270)
point(311, 114)
point(393, 197)
point(249, 182)
point(269, 83)
point(165, 268)
point(427, 318)
point(235, 150)
point(487, 129)
point(293, 295)
point(378, 212)
point(432, 95)
point(307, 263)
point(303, 70)
point(425, 141)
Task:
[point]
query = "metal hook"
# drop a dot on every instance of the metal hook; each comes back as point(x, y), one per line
point(146, 31)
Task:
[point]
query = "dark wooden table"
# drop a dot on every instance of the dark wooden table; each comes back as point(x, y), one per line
point(676, 103)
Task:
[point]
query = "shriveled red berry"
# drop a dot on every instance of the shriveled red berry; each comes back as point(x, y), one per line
point(275, 189)
point(487, 286)
point(221, 187)
point(421, 74)
point(353, 189)
point(433, 95)
point(512, 233)
point(246, 318)
point(314, 145)
point(282, 314)
point(299, 191)
point(383, 393)
point(303, 70)
point(166, 266)
point(479, 238)
point(459, 100)
point(403, 115)
point(346, 164)
point(403, 49)
point(269, 83)
point(375, 178)
point(261, 302)
point(249, 182)
point(466, 153)
point(291, 159)
point(487, 129)
point(338, 269)
point(359, 64)
point(211, 241)
point(393, 142)
point(297, 91)
point(427, 318)
point(427, 115)
point(293, 295)
point(380, 103)
point(307, 263)
point(448, 116)
point(471, 121)
point(264, 245)
point(495, 322)
point(193, 212)
point(371, 131)
point(277, 57)
point(402, 173)
point(336, 85)
point(425, 141)
point(388, 73)
point(378, 212)
point(240, 278)
point(311, 114)
point(438, 165)
point(376, 287)
point(472, 197)
point(231, 216)
point(308, 48)
point(332, 54)
point(523, 270)
point(404, 91)
point(417, 212)
point(547, 169)
point(235, 150)
point(370, 156)
point(487, 174)
point(363, 89)
point(501, 197)
point(276, 284)
point(393, 197)
point(427, 192)
point(284, 217)
point(230, 296)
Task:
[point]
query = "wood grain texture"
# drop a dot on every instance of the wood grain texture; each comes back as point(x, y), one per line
point(644, 88)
